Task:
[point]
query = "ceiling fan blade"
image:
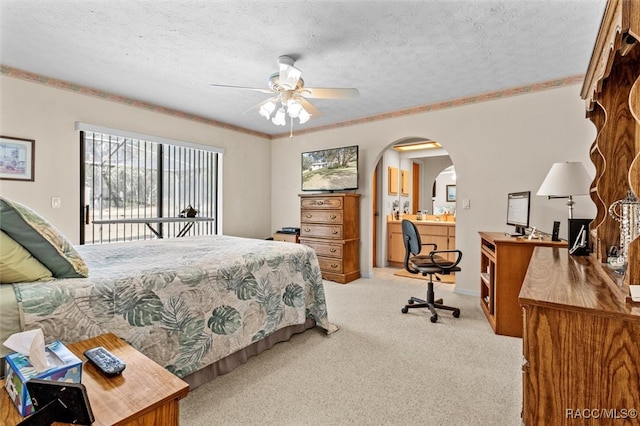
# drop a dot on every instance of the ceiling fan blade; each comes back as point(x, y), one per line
point(255, 89)
point(329, 93)
point(315, 112)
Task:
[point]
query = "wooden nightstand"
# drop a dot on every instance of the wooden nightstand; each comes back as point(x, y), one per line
point(289, 238)
point(144, 394)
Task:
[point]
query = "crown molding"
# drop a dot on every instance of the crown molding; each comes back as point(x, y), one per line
point(88, 91)
point(468, 100)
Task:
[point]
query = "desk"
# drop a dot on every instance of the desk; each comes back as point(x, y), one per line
point(144, 394)
point(188, 222)
point(503, 265)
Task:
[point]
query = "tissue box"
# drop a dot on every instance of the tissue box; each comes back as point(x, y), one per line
point(65, 367)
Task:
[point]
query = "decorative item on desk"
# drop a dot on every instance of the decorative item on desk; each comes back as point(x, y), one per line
point(615, 260)
point(406, 207)
point(579, 237)
point(627, 212)
point(188, 212)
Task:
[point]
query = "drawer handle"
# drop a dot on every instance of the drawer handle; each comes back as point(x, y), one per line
point(333, 216)
point(332, 250)
point(334, 265)
point(320, 202)
point(334, 232)
point(309, 216)
point(307, 230)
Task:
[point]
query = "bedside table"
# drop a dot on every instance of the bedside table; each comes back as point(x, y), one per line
point(289, 238)
point(144, 394)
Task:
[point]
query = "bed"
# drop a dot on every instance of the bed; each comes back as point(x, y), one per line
point(198, 306)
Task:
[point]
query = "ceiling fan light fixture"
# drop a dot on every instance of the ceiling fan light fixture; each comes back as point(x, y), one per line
point(278, 119)
point(289, 77)
point(267, 108)
point(304, 116)
point(294, 108)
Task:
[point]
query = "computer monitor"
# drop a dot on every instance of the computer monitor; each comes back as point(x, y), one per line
point(518, 206)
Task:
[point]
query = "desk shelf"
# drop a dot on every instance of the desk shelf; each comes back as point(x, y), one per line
point(503, 265)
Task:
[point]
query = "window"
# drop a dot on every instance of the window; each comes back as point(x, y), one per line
point(126, 177)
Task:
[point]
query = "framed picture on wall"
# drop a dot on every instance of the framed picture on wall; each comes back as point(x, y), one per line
point(17, 158)
point(451, 193)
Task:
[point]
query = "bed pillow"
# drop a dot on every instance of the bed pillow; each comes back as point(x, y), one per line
point(41, 239)
point(16, 263)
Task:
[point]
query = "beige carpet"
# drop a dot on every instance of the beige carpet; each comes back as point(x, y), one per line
point(382, 367)
point(445, 279)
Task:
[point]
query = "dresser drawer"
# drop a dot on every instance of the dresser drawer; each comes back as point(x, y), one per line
point(289, 238)
point(323, 248)
point(328, 264)
point(321, 216)
point(321, 203)
point(321, 231)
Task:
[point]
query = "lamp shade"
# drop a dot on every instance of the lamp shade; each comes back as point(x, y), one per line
point(565, 179)
point(279, 119)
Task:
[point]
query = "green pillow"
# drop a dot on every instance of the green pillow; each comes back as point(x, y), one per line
point(17, 265)
point(41, 239)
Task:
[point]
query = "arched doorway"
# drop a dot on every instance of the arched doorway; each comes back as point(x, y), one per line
point(410, 181)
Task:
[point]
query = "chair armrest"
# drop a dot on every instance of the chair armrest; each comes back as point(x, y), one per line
point(434, 254)
point(434, 245)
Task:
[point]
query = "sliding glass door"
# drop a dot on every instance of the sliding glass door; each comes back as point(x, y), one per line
point(125, 179)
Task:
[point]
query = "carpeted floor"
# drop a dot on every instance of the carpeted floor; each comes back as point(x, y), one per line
point(381, 368)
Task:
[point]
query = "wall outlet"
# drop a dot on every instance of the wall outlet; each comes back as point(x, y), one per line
point(56, 202)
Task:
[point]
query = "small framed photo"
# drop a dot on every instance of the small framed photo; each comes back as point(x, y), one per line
point(451, 193)
point(17, 158)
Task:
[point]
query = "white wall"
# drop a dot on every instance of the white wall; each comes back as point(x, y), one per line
point(34, 111)
point(497, 147)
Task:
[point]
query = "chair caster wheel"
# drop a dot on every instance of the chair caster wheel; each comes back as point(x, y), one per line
point(410, 301)
point(434, 318)
point(456, 313)
point(405, 310)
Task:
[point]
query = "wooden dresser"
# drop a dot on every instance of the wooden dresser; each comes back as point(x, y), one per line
point(330, 224)
point(581, 331)
point(581, 343)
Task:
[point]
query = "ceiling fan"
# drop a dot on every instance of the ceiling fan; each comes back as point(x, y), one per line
point(290, 93)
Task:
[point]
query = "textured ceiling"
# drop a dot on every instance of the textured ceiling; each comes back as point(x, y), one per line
point(399, 54)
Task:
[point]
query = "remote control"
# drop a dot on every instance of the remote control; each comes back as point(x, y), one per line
point(108, 364)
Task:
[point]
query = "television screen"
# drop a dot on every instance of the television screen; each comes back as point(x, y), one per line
point(518, 210)
point(330, 169)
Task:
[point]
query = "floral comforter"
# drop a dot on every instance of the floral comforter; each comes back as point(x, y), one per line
point(183, 302)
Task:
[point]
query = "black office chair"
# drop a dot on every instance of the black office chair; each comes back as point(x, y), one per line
point(430, 264)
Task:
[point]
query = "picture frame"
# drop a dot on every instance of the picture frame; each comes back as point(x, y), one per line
point(451, 193)
point(17, 158)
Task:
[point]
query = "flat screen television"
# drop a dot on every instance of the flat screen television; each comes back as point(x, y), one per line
point(331, 170)
point(518, 207)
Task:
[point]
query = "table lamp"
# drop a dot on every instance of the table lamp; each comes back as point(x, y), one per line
point(565, 180)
